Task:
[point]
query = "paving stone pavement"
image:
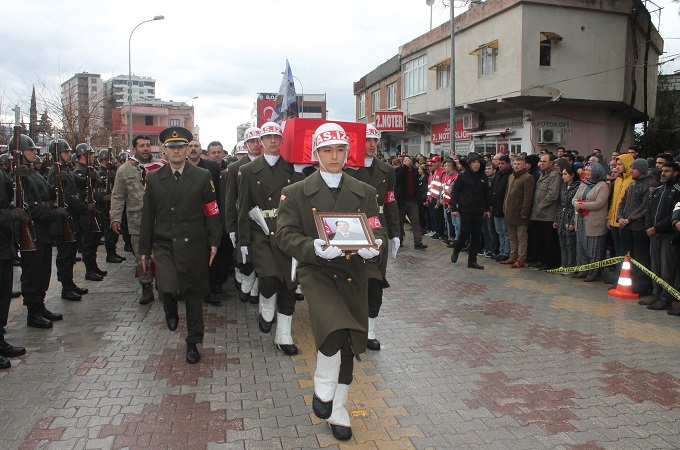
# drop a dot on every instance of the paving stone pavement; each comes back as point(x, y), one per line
point(493, 359)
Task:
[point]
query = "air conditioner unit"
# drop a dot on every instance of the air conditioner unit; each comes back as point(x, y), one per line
point(549, 136)
point(470, 121)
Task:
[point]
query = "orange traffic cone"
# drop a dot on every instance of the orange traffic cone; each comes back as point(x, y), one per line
point(624, 288)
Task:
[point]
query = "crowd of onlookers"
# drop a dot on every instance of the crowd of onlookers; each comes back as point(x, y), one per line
point(550, 211)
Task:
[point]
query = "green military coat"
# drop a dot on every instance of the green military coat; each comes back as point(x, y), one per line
point(383, 179)
point(179, 223)
point(260, 186)
point(336, 290)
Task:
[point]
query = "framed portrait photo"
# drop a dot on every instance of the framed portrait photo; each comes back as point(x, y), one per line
point(347, 231)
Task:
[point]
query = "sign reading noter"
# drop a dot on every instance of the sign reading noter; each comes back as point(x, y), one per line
point(390, 120)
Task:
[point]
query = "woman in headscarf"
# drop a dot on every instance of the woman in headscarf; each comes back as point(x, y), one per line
point(590, 202)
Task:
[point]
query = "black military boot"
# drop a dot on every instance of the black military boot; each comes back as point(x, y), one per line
point(91, 272)
point(112, 257)
point(70, 295)
point(49, 315)
point(35, 318)
point(101, 272)
point(9, 351)
point(4, 363)
point(147, 294)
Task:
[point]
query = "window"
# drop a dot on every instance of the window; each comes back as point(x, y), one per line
point(547, 40)
point(362, 105)
point(148, 120)
point(375, 99)
point(174, 122)
point(415, 79)
point(392, 96)
point(443, 72)
point(487, 55)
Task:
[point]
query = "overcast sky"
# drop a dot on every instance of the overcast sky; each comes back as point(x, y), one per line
point(224, 53)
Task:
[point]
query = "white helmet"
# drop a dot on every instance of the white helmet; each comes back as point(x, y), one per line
point(251, 133)
point(372, 132)
point(241, 148)
point(271, 128)
point(329, 134)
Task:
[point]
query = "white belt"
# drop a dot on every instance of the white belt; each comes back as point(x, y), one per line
point(380, 209)
point(270, 213)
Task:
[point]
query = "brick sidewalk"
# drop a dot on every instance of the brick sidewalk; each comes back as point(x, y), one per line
point(493, 359)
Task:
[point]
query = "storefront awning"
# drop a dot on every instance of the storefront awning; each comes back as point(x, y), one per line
point(492, 44)
point(492, 133)
point(547, 35)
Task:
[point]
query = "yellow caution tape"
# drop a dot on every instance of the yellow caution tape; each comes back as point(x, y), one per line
point(671, 290)
point(585, 267)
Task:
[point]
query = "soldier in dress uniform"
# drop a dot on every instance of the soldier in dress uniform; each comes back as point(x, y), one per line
point(89, 236)
point(381, 176)
point(244, 273)
point(181, 228)
point(36, 265)
point(260, 184)
point(107, 174)
point(66, 251)
point(127, 200)
point(335, 284)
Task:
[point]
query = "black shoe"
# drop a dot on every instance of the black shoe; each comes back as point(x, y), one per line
point(660, 305)
point(475, 265)
point(172, 322)
point(288, 349)
point(265, 326)
point(535, 264)
point(101, 272)
point(70, 295)
point(16, 294)
point(373, 344)
point(127, 248)
point(648, 301)
point(243, 296)
point(502, 258)
point(192, 354)
point(322, 410)
point(212, 299)
point(673, 312)
point(590, 278)
point(436, 236)
point(299, 297)
point(38, 321)
point(115, 259)
point(93, 276)
point(49, 315)
point(79, 290)
point(454, 256)
point(450, 244)
point(254, 299)
point(4, 363)
point(147, 294)
point(341, 433)
point(420, 246)
point(10, 351)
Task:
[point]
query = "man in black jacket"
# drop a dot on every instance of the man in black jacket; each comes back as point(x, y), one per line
point(406, 194)
point(498, 188)
point(469, 199)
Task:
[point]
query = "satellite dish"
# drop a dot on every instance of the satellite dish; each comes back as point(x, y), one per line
point(429, 2)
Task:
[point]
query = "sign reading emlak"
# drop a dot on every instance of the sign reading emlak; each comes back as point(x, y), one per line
point(389, 120)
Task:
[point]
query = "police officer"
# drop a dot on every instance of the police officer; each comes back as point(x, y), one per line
point(86, 177)
point(107, 175)
point(244, 272)
point(381, 176)
point(36, 265)
point(260, 185)
point(335, 285)
point(181, 228)
point(66, 251)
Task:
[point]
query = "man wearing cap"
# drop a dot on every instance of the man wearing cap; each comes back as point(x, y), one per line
point(335, 284)
point(631, 219)
point(382, 177)
point(259, 192)
point(244, 273)
point(127, 198)
point(181, 228)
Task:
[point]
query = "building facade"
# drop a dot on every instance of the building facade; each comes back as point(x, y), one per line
point(310, 106)
point(152, 119)
point(82, 103)
point(143, 89)
point(528, 75)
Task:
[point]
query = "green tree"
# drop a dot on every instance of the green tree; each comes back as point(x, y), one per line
point(664, 130)
point(45, 125)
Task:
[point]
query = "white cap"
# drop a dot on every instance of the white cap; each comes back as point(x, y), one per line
point(271, 128)
point(251, 133)
point(241, 147)
point(372, 132)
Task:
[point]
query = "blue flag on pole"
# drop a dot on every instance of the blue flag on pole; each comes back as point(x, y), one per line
point(286, 102)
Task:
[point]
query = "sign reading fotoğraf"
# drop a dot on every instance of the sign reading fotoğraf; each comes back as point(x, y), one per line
point(389, 120)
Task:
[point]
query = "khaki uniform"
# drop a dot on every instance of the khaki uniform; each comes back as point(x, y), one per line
point(335, 290)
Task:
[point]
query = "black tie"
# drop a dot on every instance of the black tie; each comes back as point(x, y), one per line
point(177, 174)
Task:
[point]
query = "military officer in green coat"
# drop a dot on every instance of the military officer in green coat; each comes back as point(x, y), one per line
point(180, 222)
point(335, 284)
point(381, 176)
point(260, 185)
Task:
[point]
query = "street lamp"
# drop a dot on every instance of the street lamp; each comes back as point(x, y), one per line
point(130, 70)
point(302, 103)
point(187, 101)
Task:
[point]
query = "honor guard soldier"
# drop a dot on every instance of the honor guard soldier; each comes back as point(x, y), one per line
point(127, 200)
point(61, 178)
point(381, 176)
point(181, 229)
point(260, 185)
point(36, 265)
point(335, 284)
point(107, 175)
point(88, 182)
point(244, 272)
point(8, 252)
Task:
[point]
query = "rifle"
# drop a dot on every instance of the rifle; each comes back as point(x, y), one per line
point(109, 184)
point(66, 226)
point(26, 231)
point(94, 222)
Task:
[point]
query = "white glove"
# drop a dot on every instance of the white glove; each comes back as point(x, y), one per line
point(370, 253)
point(395, 247)
point(232, 236)
point(330, 253)
point(244, 252)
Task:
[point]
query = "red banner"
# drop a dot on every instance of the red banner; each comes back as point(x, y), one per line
point(390, 121)
point(297, 141)
point(265, 108)
point(441, 132)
